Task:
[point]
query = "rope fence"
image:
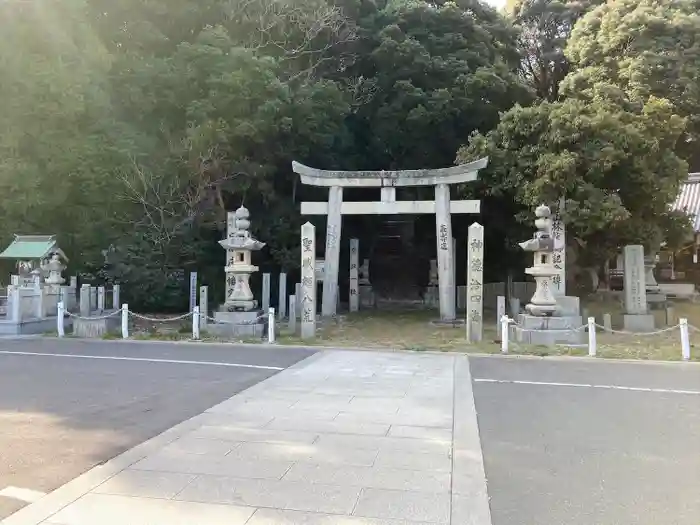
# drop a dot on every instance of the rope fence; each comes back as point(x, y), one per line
point(199, 320)
point(592, 328)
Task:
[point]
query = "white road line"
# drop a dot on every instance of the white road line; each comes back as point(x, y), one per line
point(26, 495)
point(144, 359)
point(586, 385)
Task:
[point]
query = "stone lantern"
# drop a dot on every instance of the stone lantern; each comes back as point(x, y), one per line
point(239, 245)
point(543, 302)
point(54, 267)
point(543, 322)
point(239, 315)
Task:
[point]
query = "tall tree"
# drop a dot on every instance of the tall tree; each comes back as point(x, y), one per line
point(427, 74)
point(616, 169)
point(59, 139)
point(640, 49)
point(545, 27)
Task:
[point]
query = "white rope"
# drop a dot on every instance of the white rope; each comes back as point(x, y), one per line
point(160, 320)
point(694, 327)
point(623, 332)
point(113, 314)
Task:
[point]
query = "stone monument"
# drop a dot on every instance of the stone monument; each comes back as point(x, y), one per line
point(541, 324)
point(367, 299)
point(54, 267)
point(239, 315)
point(559, 254)
point(354, 291)
point(636, 318)
point(475, 283)
point(308, 281)
point(655, 297)
point(431, 298)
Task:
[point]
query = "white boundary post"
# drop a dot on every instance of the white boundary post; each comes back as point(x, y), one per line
point(195, 323)
point(59, 319)
point(125, 321)
point(592, 345)
point(505, 321)
point(685, 339)
point(271, 326)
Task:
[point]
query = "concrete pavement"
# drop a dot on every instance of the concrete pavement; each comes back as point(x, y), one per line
point(581, 442)
point(67, 405)
point(363, 438)
point(350, 438)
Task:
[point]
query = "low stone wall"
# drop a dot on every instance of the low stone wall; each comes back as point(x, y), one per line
point(95, 328)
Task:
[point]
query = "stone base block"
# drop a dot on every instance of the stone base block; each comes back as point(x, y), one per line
point(431, 297)
point(548, 330)
point(96, 328)
point(367, 297)
point(32, 326)
point(639, 322)
point(568, 305)
point(451, 323)
point(532, 322)
point(238, 324)
point(656, 301)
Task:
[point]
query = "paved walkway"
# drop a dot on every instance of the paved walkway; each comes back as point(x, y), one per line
point(343, 438)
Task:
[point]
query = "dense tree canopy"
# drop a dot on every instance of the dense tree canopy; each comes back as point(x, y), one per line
point(643, 48)
point(545, 27)
point(130, 127)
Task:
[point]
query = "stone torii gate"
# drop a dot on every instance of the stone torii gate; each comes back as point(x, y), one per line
point(388, 181)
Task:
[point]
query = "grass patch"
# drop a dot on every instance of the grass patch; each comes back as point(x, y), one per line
point(412, 330)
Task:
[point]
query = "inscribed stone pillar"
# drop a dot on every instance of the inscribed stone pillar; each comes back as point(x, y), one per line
point(297, 294)
point(266, 292)
point(100, 298)
point(282, 299)
point(475, 283)
point(635, 289)
point(204, 305)
point(454, 273)
point(308, 281)
point(230, 255)
point(332, 255)
point(559, 253)
point(116, 296)
point(354, 292)
point(292, 321)
point(85, 300)
point(443, 225)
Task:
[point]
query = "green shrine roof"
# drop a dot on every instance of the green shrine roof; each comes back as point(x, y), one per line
point(28, 247)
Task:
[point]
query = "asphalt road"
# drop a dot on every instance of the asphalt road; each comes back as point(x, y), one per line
point(557, 454)
point(85, 402)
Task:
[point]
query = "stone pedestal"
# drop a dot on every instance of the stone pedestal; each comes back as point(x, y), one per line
point(367, 297)
point(568, 305)
point(95, 328)
point(239, 324)
point(538, 330)
point(638, 322)
point(431, 297)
